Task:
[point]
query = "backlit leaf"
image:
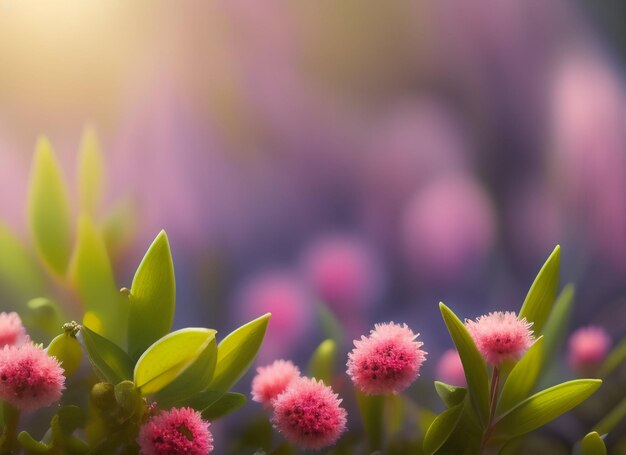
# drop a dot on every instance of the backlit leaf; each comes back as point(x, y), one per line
point(152, 297)
point(48, 209)
point(441, 429)
point(109, 361)
point(20, 274)
point(473, 363)
point(449, 394)
point(542, 293)
point(67, 350)
point(557, 325)
point(322, 363)
point(224, 405)
point(90, 172)
point(593, 444)
point(236, 352)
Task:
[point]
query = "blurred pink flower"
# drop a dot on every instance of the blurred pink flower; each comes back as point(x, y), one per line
point(309, 414)
point(272, 380)
point(449, 226)
point(450, 369)
point(282, 294)
point(12, 332)
point(179, 430)
point(387, 361)
point(29, 378)
point(587, 348)
point(501, 336)
point(343, 272)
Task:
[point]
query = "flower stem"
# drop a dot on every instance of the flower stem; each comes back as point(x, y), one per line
point(493, 402)
point(9, 420)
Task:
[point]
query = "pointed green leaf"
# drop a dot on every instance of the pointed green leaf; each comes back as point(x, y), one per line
point(90, 172)
point(194, 379)
point(557, 325)
point(169, 357)
point(441, 429)
point(229, 402)
point(92, 275)
point(473, 363)
point(20, 274)
point(322, 363)
point(152, 297)
point(542, 293)
point(466, 436)
point(522, 379)
point(237, 351)
point(48, 209)
point(109, 361)
point(593, 444)
point(449, 394)
point(543, 407)
point(67, 351)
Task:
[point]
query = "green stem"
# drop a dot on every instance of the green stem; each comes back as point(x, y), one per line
point(372, 409)
point(10, 419)
point(493, 402)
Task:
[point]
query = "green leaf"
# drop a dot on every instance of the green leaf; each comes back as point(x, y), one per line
point(20, 274)
point(542, 293)
point(169, 357)
point(119, 226)
point(43, 314)
point(543, 407)
point(237, 351)
point(473, 363)
point(200, 400)
point(229, 402)
point(31, 445)
point(109, 361)
point(90, 172)
point(449, 394)
point(556, 327)
point(193, 379)
point(522, 379)
point(48, 209)
point(615, 358)
point(67, 350)
point(612, 419)
point(466, 436)
point(441, 429)
point(322, 363)
point(152, 297)
point(593, 444)
point(92, 275)
point(331, 327)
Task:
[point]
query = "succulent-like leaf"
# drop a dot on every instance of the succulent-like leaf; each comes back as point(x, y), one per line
point(92, 274)
point(522, 379)
point(90, 172)
point(48, 209)
point(109, 361)
point(322, 362)
point(543, 407)
point(67, 350)
point(441, 429)
point(152, 297)
point(593, 444)
point(449, 394)
point(236, 352)
point(542, 293)
point(473, 363)
point(169, 357)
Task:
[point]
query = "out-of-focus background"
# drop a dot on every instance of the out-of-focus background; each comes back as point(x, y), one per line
point(377, 156)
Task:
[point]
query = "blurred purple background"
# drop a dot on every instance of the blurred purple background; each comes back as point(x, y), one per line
point(378, 156)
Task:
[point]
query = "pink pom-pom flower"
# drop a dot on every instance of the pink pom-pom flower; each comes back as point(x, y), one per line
point(179, 430)
point(587, 347)
point(501, 336)
point(450, 369)
point(29, 378)
point(309, 414)
point(387, 361)
point(12, 332)
point(272, 380)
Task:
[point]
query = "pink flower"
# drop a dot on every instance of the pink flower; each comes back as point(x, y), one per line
point(588, 347)
point(12, 332)
point(387, 361)
point(501, 336)
point(29, 378)
point(450, 369)
point(308, 414)
point(272, 380)
point(179, 430)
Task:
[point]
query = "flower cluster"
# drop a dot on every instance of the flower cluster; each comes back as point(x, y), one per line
point(587, 348)
point(177, 431)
